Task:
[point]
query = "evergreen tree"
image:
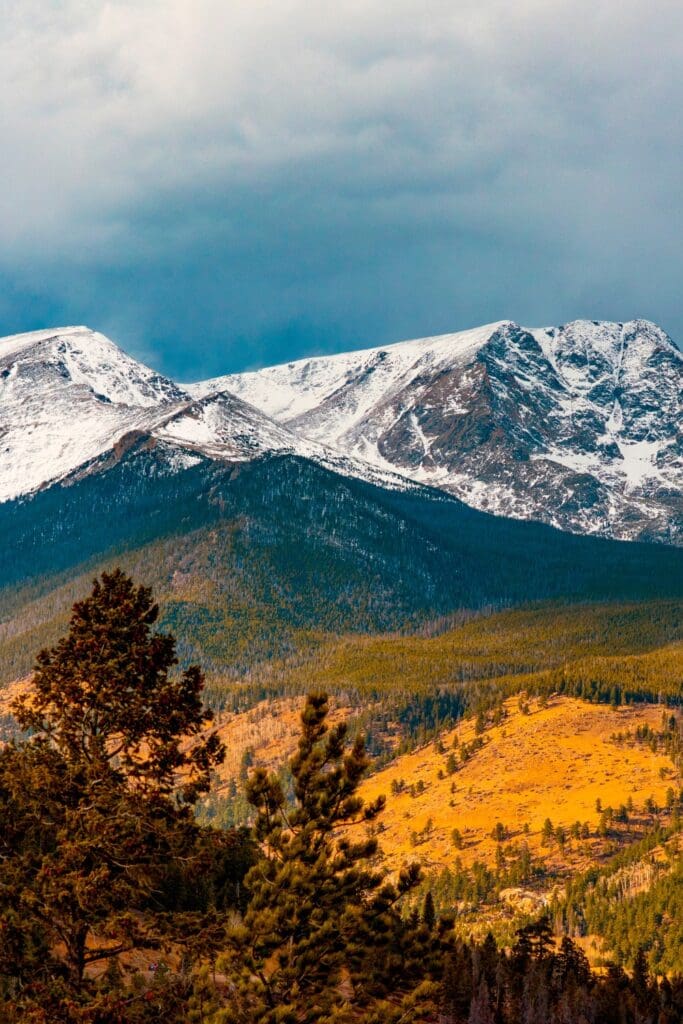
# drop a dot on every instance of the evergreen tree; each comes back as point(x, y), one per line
point(98, 800)
point(641, 978)
point(106, 695)
point(322, 936)
point(428, 911)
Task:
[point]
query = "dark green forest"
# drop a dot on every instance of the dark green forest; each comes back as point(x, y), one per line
point(259, 561)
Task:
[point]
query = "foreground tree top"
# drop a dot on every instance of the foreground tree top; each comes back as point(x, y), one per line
point(109, 692)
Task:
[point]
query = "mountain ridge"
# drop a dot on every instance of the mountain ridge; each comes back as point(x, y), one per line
point(576, 426)
point(509, 419)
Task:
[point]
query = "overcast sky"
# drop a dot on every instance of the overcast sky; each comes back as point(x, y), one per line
point(219, 186)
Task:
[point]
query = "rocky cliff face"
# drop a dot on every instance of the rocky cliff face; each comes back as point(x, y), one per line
point(578, 426)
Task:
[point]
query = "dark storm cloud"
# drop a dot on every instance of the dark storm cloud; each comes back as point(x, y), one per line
point(219, 186)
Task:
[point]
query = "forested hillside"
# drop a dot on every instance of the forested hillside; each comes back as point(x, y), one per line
point(117, 906)
point(420, 617)
point(261, 559)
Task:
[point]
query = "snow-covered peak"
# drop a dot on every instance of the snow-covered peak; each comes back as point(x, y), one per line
point(578, 425)
point(70, 396)
point(86, 359)
point(584, 350)
point(66, 395)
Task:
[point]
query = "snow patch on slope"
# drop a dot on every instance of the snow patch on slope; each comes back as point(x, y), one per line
point(290, 391)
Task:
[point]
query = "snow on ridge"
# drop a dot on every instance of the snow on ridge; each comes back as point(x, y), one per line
point(13, 343)
point(587, 419)
point(68, 395)
point(352, 383)
point(289, 390)
point(226, 427)
point(584, 424)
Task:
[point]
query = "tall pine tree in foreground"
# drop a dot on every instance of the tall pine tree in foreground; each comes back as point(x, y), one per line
point(107, 696)
point(323, 939)
point(99, 799)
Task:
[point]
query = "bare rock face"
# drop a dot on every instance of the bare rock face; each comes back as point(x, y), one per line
point(578, 426)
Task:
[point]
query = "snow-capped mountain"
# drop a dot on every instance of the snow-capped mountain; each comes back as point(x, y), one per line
point(70, 395)
point(578, 426)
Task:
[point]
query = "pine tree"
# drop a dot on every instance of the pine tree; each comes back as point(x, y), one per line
point(98, 800)
point(322, 935)
point(106, 695)
point(428, 911)
point(641, 975)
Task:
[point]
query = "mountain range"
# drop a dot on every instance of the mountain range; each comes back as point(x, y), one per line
point(371, 491)
point(576, 426)
point(485, 522)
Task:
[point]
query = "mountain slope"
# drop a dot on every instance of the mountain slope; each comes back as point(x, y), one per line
point(69, 397)
point(578, 426)
point(65, 396)
point(71, 400)
point(250, 556)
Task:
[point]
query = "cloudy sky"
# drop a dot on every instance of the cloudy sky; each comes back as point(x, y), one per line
point(224, 185)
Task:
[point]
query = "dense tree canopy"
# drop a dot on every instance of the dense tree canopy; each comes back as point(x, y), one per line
point(97, 800)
